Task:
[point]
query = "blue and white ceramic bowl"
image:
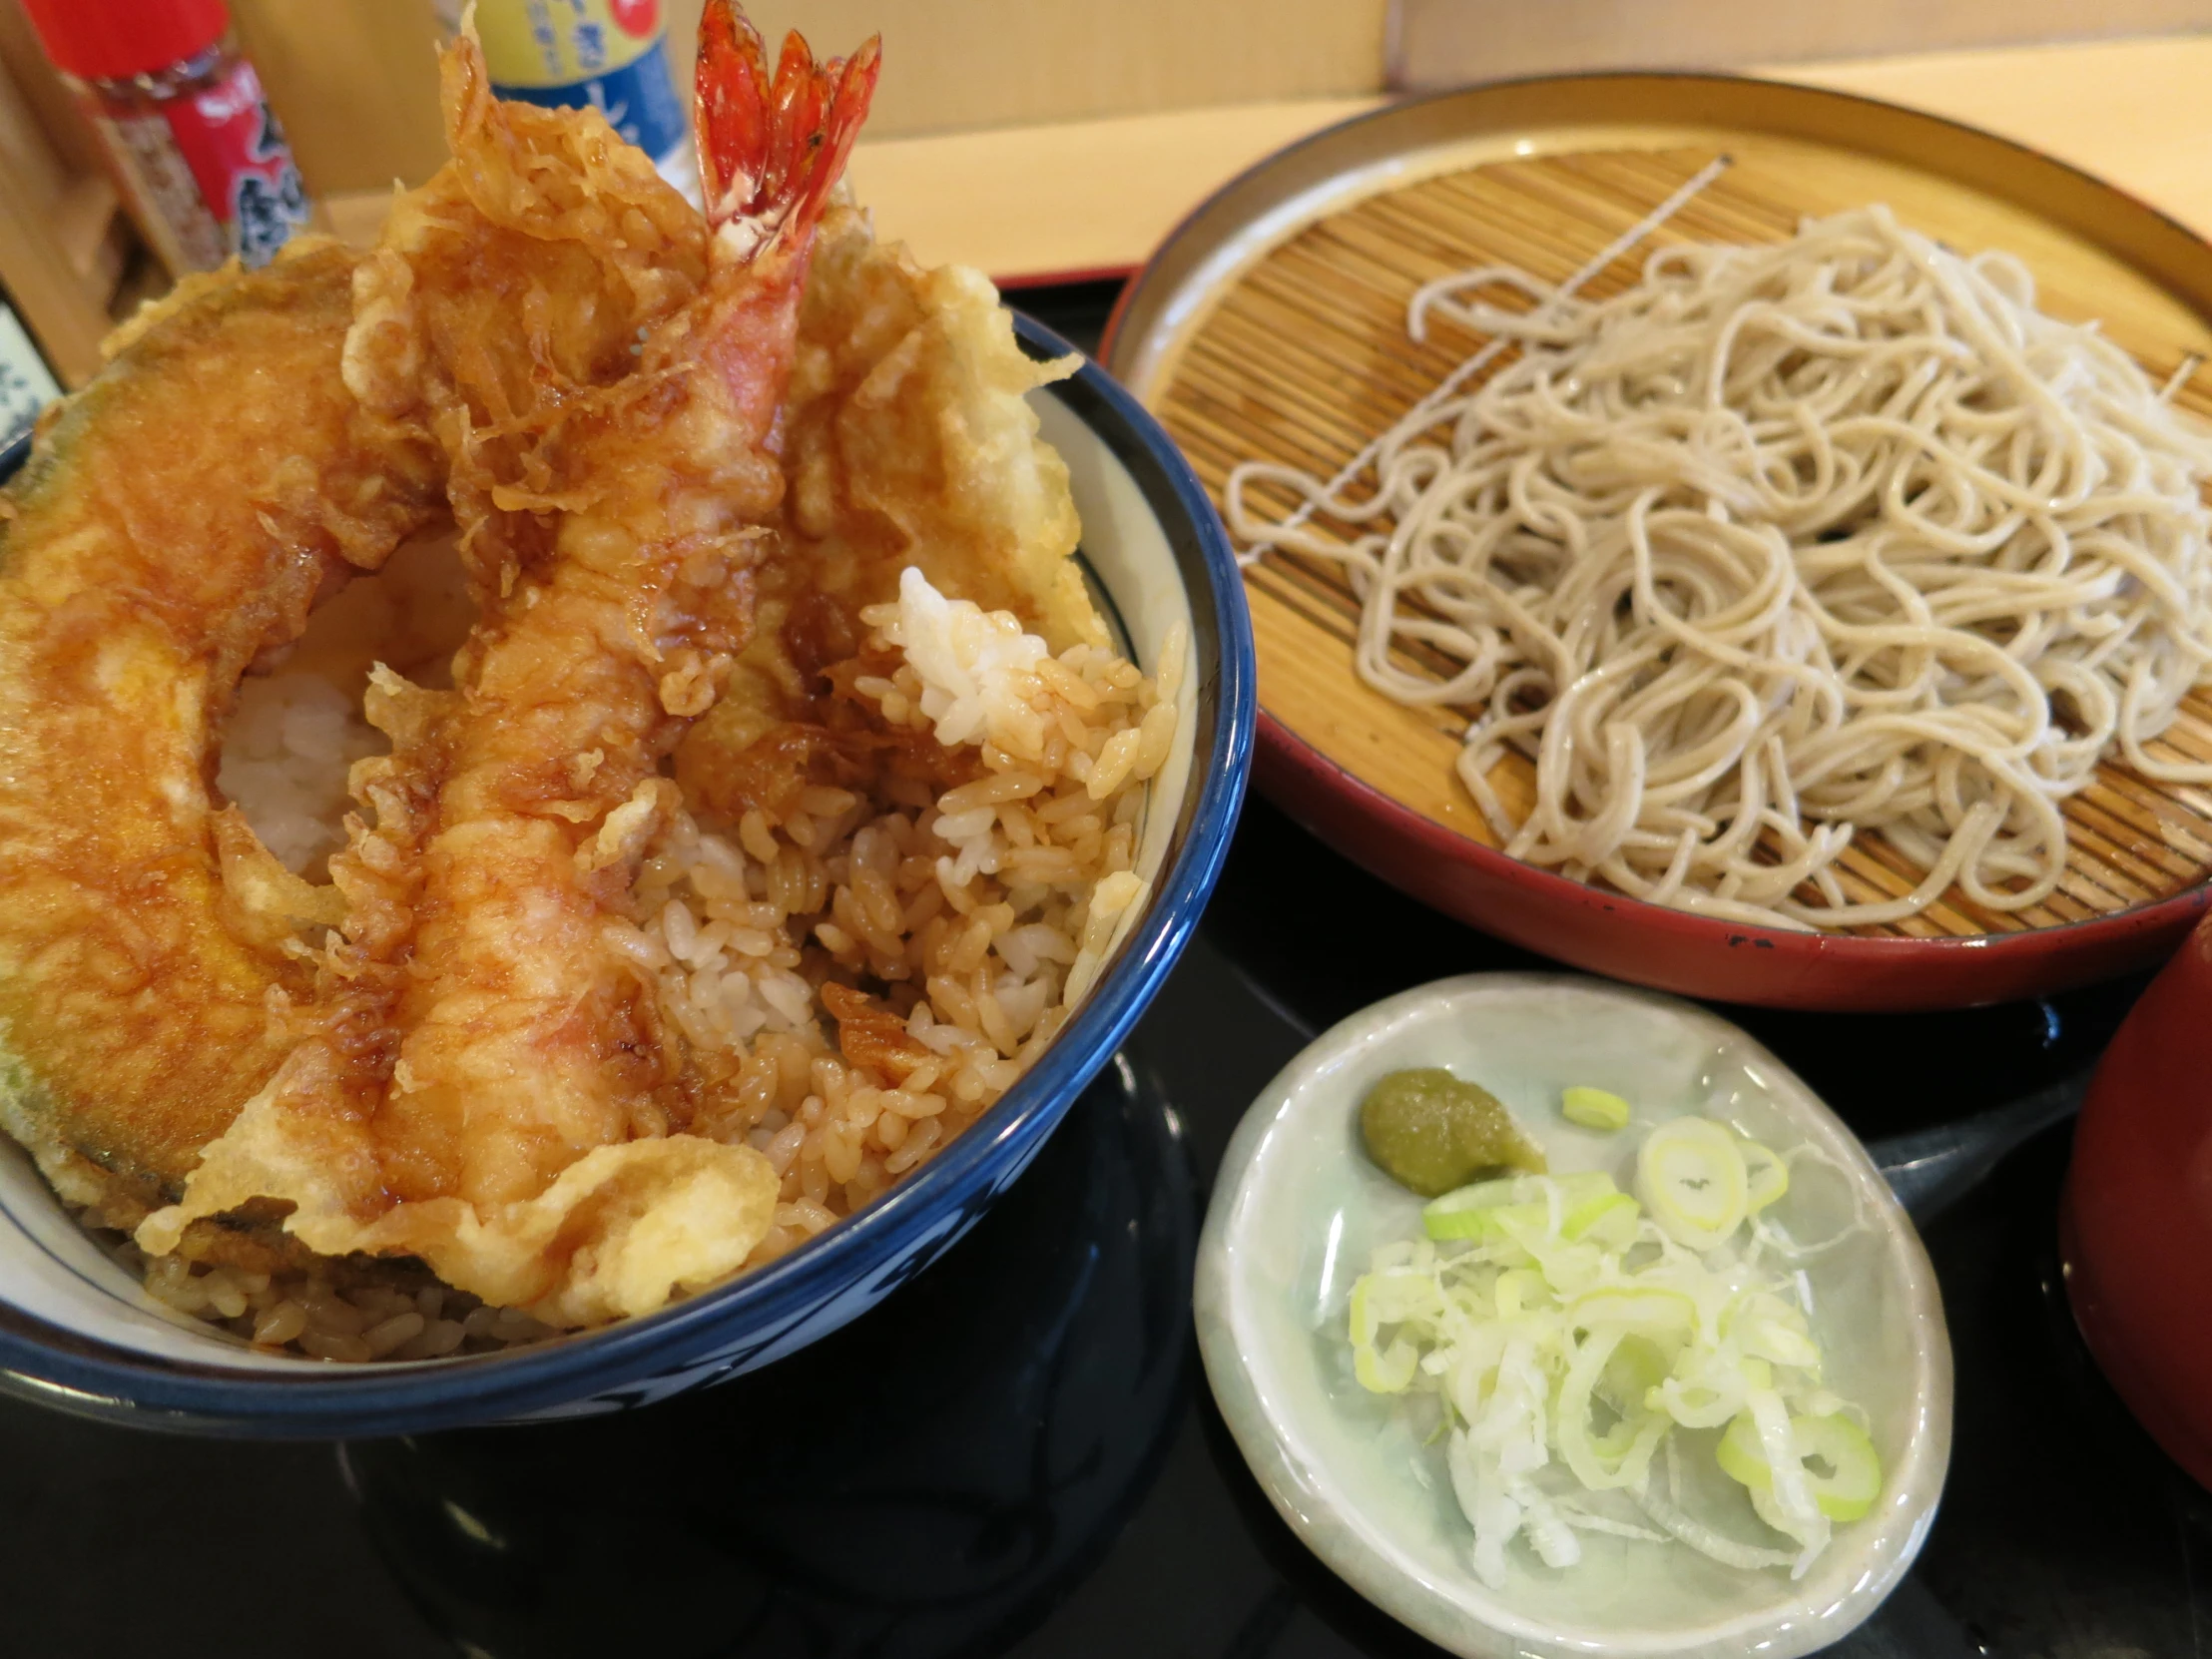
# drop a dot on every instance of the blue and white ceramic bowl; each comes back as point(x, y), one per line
point(77, 1332)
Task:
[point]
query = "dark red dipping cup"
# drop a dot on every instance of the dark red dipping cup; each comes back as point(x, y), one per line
point(2135, 1218)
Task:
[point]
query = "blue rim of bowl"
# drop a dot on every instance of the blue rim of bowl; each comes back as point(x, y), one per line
point(61, 1368)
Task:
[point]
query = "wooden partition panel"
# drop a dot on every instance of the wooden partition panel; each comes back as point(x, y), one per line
point(1448, 43)
point(963, 65)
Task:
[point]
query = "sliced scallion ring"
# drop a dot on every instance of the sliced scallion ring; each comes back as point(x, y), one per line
point(1766, 1176)
point(1692, 1179)
point(1364, 1321)
point(1610, 1220)
point(1379, 1370)
point(1594, 1108)
point(1840, 1464)
point(1492, 1210)
point(1386, 1371)
point(1654, 1311)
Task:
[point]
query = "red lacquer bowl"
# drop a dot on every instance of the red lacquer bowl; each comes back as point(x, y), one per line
point(2136, 1220)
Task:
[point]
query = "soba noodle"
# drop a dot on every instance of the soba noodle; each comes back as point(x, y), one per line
point(1782, 544)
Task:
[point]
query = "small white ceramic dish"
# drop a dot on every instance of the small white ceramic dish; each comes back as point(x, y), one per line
point(1298, 1208)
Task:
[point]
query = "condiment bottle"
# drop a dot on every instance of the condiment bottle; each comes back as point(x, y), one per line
point(202, 163)
point(27, 382)
point(607, 55)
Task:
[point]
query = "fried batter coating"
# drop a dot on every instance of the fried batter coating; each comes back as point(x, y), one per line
point(910, 444)
point(490, 1091)
point(178, 518)
point(509, 289)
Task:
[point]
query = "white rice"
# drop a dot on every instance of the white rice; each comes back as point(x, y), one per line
point(975, 916)
point(290, 740)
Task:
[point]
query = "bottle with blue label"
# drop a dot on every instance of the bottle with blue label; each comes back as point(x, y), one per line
point(27, 384)
point(608, 55)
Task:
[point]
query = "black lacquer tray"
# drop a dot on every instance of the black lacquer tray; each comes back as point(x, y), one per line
point(1016, 1454)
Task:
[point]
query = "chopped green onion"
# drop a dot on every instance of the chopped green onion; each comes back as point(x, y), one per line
point(1518, 1290)
point(1562, 1333)
point(1652, 1311)
point(1388, 1370)
point(1494, 1210)
point(1693, 1182)
point(1844, 1491)
point(1594, 1108)
point(1610, 1220)
point(1766, 1176)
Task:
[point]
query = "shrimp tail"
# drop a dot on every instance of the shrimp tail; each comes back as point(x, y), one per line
point(772, 149)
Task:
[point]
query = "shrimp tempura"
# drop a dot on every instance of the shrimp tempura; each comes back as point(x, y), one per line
point(521, 1128)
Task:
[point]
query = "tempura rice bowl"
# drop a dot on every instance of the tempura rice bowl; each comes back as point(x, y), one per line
point(79, 1330)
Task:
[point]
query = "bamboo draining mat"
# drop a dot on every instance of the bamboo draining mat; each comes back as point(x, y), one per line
point(1303, 359)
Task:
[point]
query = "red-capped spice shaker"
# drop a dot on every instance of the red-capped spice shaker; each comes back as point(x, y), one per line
point(202, 163)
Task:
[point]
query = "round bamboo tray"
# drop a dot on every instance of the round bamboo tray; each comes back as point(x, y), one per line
point(1271, 325)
